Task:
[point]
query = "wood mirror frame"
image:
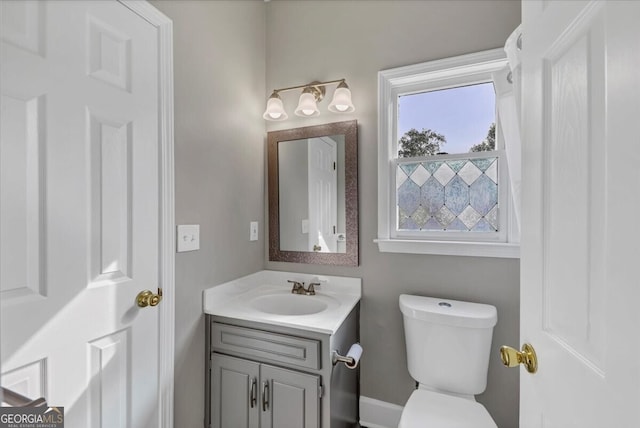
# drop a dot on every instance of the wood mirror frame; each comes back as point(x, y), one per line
point(350, 131)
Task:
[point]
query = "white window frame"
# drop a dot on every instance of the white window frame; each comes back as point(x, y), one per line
point(434, 75)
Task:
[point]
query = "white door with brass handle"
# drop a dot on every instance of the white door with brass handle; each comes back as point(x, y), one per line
point(579, 256)
point(80, 173)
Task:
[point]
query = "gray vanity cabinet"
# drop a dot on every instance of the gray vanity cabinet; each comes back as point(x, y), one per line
point(262, 375)
point(247, 394)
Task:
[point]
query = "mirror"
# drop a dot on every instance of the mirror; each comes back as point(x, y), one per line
point(313, 194)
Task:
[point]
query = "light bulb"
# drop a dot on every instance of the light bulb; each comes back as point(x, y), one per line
point(307, 106)
point(275, 109)
point(341, 102)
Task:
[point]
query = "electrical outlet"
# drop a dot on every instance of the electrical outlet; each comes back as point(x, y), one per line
point(253, 231)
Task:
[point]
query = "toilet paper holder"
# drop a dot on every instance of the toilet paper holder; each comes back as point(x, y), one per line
point(350, 360)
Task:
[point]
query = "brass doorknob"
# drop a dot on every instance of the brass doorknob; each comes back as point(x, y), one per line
point(512, 357)
point(149, 298)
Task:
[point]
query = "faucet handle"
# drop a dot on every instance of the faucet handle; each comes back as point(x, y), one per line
point(296, 286)
point(311, 290)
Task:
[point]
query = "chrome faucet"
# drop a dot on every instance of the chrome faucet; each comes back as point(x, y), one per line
point(298, 288)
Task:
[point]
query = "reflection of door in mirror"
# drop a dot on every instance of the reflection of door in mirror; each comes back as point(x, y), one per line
point(323, 204)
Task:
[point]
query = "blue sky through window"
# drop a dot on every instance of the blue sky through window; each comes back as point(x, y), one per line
point(463, 115)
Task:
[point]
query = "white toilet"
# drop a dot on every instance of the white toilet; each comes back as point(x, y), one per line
point(448, 347)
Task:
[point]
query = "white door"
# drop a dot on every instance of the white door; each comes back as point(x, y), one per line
point(79, 222)
point(323, 195)
point(580, 288)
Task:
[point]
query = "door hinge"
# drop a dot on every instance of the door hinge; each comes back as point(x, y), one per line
point(334, 166)
point(320, 391)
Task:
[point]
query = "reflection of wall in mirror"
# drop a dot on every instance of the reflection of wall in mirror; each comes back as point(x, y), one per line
point(293, 187)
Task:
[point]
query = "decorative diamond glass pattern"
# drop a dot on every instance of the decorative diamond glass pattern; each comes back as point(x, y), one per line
point(492, 217)
point(469, 217)
point(420, 216)
point(483, 195)
point(432, 195)
point(492, 172)
point(432, 166)
point(445, 216)
point(409, 197)
point(469, 173)
point(444, 174)
point(483, 163)
point(454, 195)
point(420, 175)
point(456, 165)
point(401, 177)
point(408, 168)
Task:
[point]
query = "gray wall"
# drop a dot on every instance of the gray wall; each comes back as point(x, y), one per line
point(319, 40)
point(220, 94)
point(219, 65)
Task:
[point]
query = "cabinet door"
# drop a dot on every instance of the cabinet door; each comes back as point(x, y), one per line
point(234, 395)
point(289, 399)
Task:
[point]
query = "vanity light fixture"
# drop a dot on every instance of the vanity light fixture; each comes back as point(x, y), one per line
point(312, 93)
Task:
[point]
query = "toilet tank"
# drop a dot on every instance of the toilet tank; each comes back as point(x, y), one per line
point(448, 342)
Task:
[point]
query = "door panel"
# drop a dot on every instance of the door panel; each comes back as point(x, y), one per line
point(79, 88)
point(580, 95)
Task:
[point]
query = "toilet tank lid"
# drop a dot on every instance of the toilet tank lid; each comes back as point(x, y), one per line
point(449, 312)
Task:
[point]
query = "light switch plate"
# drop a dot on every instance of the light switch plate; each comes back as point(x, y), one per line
point(188, 237)
point(253, 231)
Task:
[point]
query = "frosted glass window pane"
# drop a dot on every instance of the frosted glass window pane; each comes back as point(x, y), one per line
point(466, 202)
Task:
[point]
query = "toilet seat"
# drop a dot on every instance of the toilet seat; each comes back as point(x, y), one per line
point(428, 409)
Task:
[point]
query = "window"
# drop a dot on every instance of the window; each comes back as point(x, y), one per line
point(443, 184)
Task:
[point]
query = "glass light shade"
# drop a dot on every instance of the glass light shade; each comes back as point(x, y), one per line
point(275, 109)
point(307, 106)
point(341, 102)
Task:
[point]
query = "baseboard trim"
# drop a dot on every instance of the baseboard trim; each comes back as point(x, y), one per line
point(379, 414)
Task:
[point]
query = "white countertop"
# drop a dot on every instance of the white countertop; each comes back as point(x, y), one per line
point(232, 298)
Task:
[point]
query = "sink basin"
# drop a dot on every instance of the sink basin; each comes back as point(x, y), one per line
point(291, 304)
point(265, 297)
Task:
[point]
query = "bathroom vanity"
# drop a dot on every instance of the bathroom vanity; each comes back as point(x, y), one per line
point(270, 353)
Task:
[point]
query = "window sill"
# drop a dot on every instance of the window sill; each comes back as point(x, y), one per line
point(450, 248)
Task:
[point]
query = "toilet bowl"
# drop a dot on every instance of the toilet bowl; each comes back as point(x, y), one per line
point(448, 346)
point(428, 409)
